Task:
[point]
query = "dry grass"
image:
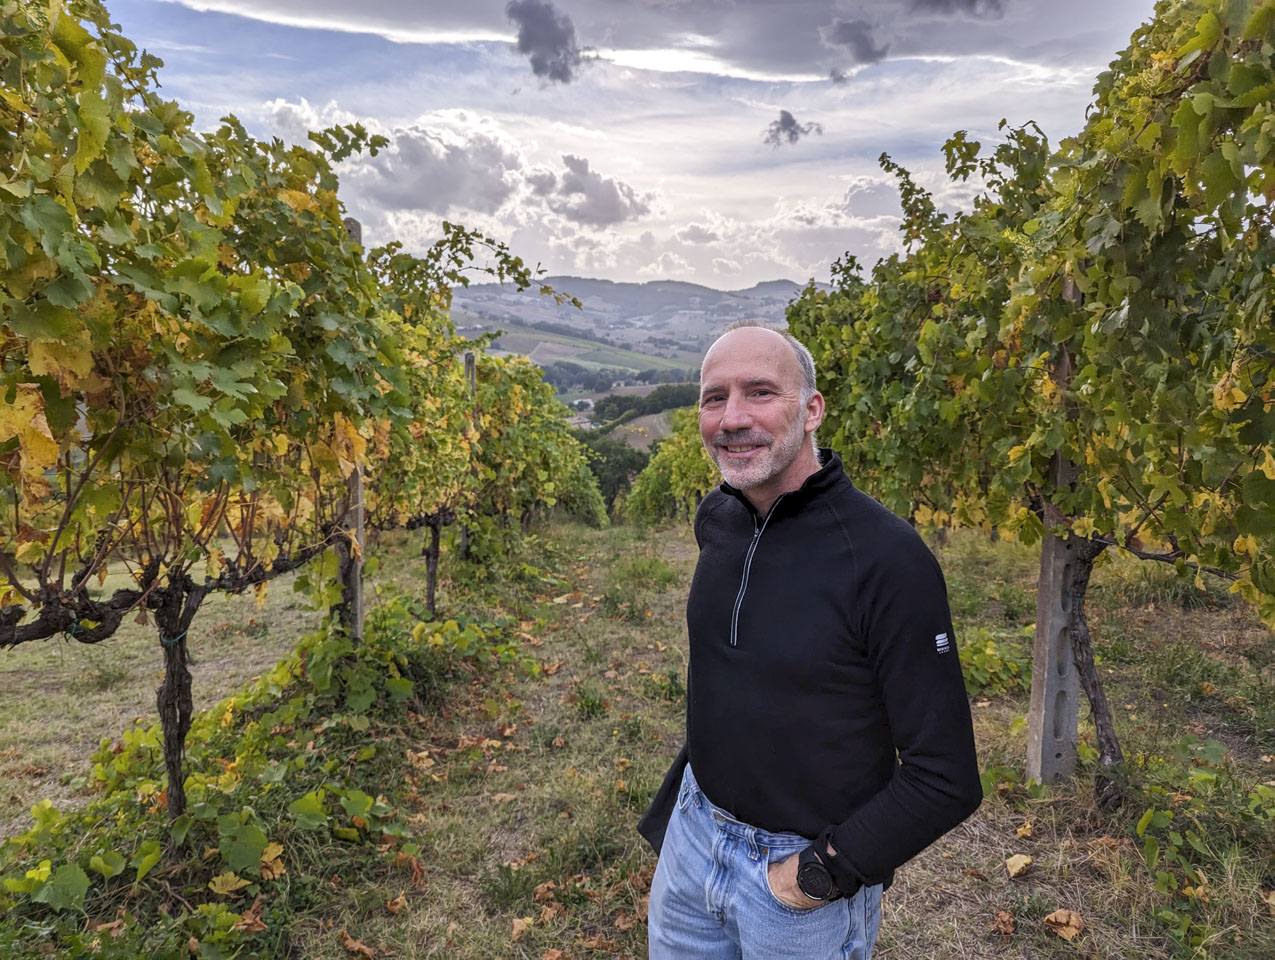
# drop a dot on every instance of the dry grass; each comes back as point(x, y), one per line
point(58, 698)
point(531, 827)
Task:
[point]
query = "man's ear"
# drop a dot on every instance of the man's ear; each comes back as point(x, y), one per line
point(814, 412)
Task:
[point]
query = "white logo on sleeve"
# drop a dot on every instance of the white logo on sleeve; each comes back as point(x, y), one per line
point(941, 643)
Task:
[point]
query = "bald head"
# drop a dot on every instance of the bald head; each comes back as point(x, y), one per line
point(762, 341)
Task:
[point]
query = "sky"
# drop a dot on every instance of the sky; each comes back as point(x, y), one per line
point(721, 142)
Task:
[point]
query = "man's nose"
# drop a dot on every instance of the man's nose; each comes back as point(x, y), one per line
point(735, 414)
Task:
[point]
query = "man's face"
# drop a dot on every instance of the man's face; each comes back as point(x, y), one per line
point(751, 416)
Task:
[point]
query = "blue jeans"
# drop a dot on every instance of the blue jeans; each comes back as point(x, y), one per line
point(711, 899)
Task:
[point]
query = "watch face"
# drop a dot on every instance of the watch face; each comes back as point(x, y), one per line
point(814, 881)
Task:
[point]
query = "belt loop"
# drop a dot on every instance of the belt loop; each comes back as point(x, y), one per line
point(753, 851)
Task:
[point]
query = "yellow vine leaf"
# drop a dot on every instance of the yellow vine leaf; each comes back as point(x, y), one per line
point(66, 363)
point(1246, 544)
point(271, 865)
point(227, 883)
point(24, 419)
point(299, 200)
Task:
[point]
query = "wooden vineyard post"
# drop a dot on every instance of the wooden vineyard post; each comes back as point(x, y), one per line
point(349, 547)
point(471, 377)
point(1053, 720)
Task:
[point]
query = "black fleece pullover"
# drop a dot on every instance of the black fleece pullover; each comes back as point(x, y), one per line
point(824, 690)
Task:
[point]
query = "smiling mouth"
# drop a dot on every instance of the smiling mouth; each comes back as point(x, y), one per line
point(740, 447)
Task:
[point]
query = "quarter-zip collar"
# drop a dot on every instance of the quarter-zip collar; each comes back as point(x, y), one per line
point(826, 477)
point(823, 479)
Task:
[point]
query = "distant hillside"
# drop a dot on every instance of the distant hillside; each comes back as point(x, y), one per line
point(660, 318)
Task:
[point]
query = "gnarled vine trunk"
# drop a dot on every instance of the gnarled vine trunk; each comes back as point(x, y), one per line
point(1106, 788)
point(175, 607)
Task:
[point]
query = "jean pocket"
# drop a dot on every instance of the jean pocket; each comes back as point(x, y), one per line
point(776, 901)
point(684, 796)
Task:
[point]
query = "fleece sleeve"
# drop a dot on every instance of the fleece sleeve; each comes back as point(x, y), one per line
point(908, 629)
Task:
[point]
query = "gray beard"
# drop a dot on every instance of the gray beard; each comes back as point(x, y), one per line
point(778, 457)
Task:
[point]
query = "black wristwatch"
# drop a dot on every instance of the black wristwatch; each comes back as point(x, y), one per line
point(813, 877)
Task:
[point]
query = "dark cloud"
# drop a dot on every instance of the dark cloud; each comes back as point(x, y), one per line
point(857, 37)
point(990, 9)
point(837, 75)
point(587, 197)
point(549, 37)
point(786, 128)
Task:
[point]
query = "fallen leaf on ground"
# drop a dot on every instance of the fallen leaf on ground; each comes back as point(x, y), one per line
point(1018, 864)
point(1066, 923)
point(397, 904)
point(551, 910)
point(1268, 896)
point(356, 946)
point(227, 883)
point(272, 867)
point(1025, 830)
point(115, 927)
point(250, 922)
point(976, 874)
point(544, 891)
point(503, 797)
point(1004, 923)
point(520, 924)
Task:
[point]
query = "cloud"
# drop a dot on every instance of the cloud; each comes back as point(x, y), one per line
point(292, 122)
point(697, 233)
point(542, 181)
point(666, 266)
point(870, 197)
point(757, 39)
point(855, 36)
point(437, 169)
point(727, 268)
point(787, 128)
point(549, 37)
point(587, 197)
point(989, 9)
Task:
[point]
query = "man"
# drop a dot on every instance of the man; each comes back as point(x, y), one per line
point(828, 731)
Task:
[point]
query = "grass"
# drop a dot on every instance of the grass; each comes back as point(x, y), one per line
point(525, 815)
point(58, 698)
